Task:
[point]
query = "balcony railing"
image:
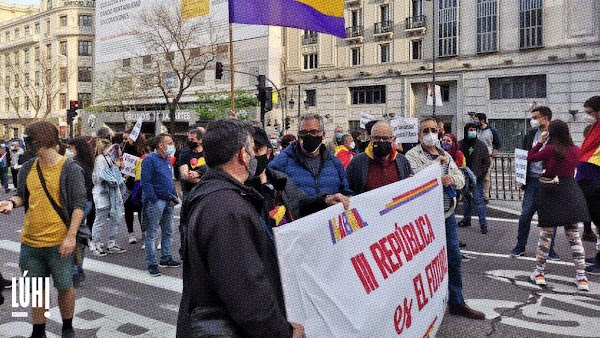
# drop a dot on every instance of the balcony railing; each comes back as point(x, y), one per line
point(384, 27)
point(354, 32)
point(309, 39)
point(415, 22)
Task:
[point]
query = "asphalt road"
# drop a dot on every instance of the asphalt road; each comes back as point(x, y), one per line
point(120, 299)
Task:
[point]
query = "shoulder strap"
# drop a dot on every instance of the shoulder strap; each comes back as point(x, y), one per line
point(58, 209)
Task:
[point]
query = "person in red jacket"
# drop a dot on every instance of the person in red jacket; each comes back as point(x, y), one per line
point(345, 152)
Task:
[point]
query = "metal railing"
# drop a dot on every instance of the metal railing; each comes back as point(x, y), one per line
point(415, 22)
point(384, 27)
point(502, 179)
point(309, 39)
point(354, 31)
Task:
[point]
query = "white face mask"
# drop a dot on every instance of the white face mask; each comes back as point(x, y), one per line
point(69, 154)
point(430, 139)
point(352, 145)
point(589, 118)
point(534, 123)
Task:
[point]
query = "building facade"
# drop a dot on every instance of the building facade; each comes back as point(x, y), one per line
point(491, 56)
point(46, 61)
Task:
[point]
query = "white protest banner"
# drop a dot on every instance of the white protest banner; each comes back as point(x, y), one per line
point(135, 132)
point(520, 165)
point(378, 269)
point(364, 119)
point(438, 95)
point(406, 130)
point(129, 162)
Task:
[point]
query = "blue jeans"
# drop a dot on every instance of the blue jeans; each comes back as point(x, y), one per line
point(477, 195)
point(155, 215)
point(454, 262)
point(4, 177)
point(528, 209)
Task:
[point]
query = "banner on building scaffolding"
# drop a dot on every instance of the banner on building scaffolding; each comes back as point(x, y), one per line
point(438, 95)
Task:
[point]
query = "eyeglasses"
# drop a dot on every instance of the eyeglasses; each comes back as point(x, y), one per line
point(381, 138)
point(429, 131)
point(314, 132)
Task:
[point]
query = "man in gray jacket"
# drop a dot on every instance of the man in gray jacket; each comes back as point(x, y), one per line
point(51, 188)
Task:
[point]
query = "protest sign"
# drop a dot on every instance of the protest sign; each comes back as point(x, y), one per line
point(129, 162)
point(378, 269)
point(364, 119)
point(406, 130)
point(135, 132)
point(520, 165)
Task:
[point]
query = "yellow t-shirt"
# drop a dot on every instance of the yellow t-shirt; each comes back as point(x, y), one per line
point(43, 227)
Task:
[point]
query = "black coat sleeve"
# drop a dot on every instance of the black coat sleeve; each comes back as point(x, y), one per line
point(354, 175)
point(238, 271)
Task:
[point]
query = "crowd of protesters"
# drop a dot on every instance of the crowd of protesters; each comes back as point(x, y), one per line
point(264, 188)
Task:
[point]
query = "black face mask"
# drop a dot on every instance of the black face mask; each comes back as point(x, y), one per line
point(262, 162)
point(311, 143)
point(382, 149)
point(192, 145)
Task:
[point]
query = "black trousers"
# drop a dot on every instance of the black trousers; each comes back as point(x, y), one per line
point(130, 209)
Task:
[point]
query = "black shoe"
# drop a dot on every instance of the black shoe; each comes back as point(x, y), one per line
point(462, 245)
point(463, 224)
point(464, 310)
point(588, 236)
point(591, 261)
point(484, 230)
point(517, 253)
point(170, 264)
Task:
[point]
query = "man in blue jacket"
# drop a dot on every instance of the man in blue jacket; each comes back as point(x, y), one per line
point(159, 197)
point(307, 161)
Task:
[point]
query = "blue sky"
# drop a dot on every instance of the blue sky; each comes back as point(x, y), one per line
point(23, 2)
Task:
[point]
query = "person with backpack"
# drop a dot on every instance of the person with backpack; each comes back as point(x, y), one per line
point(51, 188)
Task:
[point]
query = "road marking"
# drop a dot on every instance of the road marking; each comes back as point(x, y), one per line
point(532, 259)
point(495, 219)
point(138, 276)
point(170, 307)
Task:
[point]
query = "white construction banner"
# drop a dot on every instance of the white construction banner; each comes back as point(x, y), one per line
point(438, 95)
point(521, 166)
point(378, 269)
point(129, 162)
point(406, 130)
point(364, 119)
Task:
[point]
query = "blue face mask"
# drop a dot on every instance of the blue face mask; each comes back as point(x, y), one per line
point(477, 124)
point(472, 134)
point(170, 150)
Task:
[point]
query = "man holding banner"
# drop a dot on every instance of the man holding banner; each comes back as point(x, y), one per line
point(420, 157)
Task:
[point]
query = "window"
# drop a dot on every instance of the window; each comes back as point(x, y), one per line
point(367, 95)
point(27, 31)
point(445, 92)
point(16, 81)
point(518, 87)
point(17, 33)
point(530, 23)
point(85, 20)
point(37, 28)
point(311, 61)
point(309, 37)
point(126, 63)
point(84, 74)
point(37, 78)
point(17, 103)
point(63, 48)
point(16, 60)
point(7, 104)
point(27, 55)
point(448, 28)
point(311, 97)
point(146, 60)
point(37, 53)
point(416, 52)
point(63, 21)
point(356, 18)
point(47, 26)
point(63, 74)
point(49, 51)
point(355, 52)
point(7, 60)
point(384, 52)
point(85, 48)
point(63, 101)
point(27, 81)
point(384, 13)
point(27, 103)
point(7, 36)
point(7, 82)
point(85, 99)
point(417, 8)
point(487, 26)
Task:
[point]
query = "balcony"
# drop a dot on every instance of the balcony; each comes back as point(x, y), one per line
point(384, 29)
point(309, 39)
point(352, 3)
point(354, 33)
point(415, 23)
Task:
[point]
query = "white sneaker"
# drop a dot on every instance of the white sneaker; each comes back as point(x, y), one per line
point(132, 239)
point(158, 247)
point(582, 283)
point(98, 252)
point(144, 246)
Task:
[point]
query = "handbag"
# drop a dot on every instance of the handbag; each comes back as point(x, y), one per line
point(84, 232)
point(549, 184)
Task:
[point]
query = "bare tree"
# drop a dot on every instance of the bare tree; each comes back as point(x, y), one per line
point(116, 92)
point(177, 51)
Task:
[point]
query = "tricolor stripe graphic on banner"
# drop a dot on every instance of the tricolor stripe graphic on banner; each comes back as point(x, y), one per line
point(325, 16)
point(409, 196)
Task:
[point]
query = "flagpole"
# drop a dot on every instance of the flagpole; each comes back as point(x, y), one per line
point(232, 67)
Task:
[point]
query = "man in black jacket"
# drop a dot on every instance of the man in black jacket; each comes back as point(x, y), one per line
point(231, 283)
point(478, 160)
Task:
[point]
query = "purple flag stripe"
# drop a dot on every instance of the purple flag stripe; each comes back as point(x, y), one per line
point(287, 13)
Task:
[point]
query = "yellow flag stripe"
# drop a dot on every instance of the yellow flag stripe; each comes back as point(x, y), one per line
point(327, 7)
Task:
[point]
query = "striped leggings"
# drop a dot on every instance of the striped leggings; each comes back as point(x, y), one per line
point(572, 232)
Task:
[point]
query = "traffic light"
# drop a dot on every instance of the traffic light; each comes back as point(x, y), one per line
point(219, 71)
point(287, 122)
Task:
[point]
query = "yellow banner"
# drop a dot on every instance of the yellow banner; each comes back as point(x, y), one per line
point(194, 8)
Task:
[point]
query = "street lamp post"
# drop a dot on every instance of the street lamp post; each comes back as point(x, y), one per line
point(433, 60)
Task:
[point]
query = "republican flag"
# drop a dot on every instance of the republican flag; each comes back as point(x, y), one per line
point(325, 16)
